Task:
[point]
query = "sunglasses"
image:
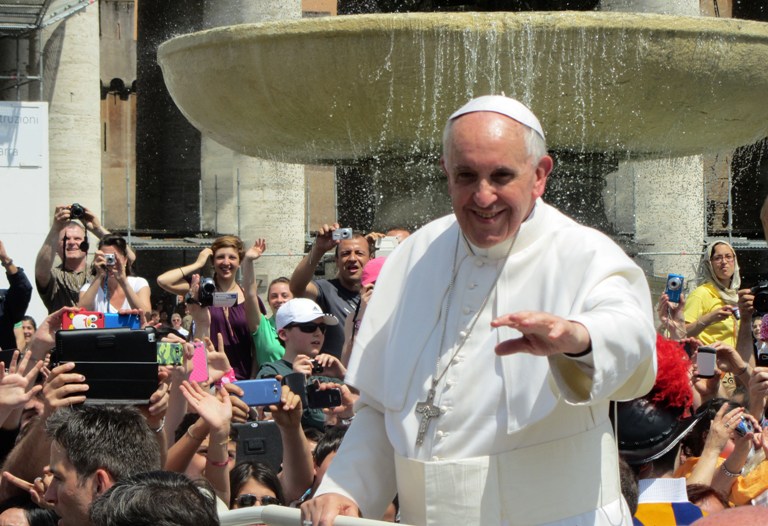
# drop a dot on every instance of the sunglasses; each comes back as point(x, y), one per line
point(308, 327)
point(247, 499)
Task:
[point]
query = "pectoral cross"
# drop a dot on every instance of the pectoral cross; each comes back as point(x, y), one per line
point(428, 410)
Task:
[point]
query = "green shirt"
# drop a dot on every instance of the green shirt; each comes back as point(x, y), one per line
point(265, 341)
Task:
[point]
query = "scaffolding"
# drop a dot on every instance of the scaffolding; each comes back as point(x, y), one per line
point(22, 20)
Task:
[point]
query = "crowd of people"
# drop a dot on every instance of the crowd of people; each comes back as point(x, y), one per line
point(495, 358)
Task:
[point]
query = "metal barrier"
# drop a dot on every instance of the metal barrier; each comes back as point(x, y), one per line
point(283, 516)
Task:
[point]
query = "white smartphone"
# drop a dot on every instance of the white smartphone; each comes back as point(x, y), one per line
point(705, 362)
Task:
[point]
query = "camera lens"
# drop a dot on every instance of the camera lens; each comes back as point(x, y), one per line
point(76, 211)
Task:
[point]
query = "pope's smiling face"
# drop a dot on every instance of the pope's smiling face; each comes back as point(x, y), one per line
point(492, 180)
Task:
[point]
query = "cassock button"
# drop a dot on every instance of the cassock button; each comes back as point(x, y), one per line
point(449, 383)
point(435, 459)
point(479, 263)
point(439, 434)
point(443, 409)
point(462, 334)
point(472, 285)
point(467, 310)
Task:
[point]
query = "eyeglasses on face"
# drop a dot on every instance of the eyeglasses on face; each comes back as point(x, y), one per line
point(308, 327)
point(723, 257)
point(248, 499)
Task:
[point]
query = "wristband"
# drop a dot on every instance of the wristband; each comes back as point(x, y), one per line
point(193, 437)
point(580, 354)
point(729, 473)
point(162, 425)
point(7, 263)
point(221, 464)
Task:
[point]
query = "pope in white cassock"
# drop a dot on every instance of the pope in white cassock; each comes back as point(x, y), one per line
point(490, 350)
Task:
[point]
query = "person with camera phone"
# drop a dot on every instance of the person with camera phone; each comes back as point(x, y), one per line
point(114, 287)
point(59, 286)
point(340, 295)
point(217, 304)
point(301, 325)
point(711, 310)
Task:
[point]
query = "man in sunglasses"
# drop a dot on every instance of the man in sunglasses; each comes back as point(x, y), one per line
point(301, 326)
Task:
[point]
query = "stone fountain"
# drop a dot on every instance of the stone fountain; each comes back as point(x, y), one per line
point(375, 90)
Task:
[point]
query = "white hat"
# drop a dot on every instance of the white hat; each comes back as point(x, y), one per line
point(301, 310)
point(500, 104)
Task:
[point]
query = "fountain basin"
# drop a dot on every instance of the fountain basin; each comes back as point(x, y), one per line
point(328, 89)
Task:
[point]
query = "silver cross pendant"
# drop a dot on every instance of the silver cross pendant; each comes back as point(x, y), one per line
point(428, 410)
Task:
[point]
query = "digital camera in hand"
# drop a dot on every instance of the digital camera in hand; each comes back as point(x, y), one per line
point(316, 367)
point(109, 259)
point(674, 287)
point(206, 291)
point(76, 211)
point(341, 233)
point(743, 427)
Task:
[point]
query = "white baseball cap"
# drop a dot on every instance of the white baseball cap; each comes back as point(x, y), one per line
point(301, 310)
point(500, 104)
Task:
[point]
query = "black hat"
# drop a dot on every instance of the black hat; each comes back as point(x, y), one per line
point(649, 427)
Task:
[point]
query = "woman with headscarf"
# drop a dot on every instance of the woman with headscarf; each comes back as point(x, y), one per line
point(711, 309)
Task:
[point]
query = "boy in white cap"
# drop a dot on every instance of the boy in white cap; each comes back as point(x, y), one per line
point(301, 326)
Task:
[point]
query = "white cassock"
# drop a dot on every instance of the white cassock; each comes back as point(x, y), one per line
point(520, 439)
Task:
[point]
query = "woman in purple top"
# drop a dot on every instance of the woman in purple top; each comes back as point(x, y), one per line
point(230, 321)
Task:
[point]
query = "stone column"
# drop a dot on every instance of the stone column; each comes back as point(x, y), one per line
point(71, 86)
point(267, 200)
point(660, 202)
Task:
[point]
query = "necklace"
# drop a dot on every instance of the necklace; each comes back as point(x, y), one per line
point(427, 409)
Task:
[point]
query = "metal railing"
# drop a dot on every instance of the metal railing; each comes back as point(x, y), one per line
point(283, 516)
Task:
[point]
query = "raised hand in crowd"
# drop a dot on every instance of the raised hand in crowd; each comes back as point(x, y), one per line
point(331, 365)
point(298, 469)
point(175, 280)
point(729, 361)
point(63, 387)
point(216, 413)
point(201, 315)
point(345, 411)
point(218, 363)
point(671, 316)
point(44, 338)
point(16, 389)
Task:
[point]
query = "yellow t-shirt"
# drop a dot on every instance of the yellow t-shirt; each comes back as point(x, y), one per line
point(703, 300)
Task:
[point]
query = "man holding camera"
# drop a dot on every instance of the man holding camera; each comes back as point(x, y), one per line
point(491, 348)
point(59, 286)
point(339, 296)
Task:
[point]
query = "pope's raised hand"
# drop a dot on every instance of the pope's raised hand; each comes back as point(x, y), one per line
point(543, 334)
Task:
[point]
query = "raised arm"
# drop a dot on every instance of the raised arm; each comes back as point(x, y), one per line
point(252, 311)
point(20, 290)
point(301, 279)
point(47, 253)
point(175, 280)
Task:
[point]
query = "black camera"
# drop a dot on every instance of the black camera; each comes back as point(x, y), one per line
point(311, 396)
point(76, 211)
point(760, 292)
point(205, 293)
point(316, 367)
